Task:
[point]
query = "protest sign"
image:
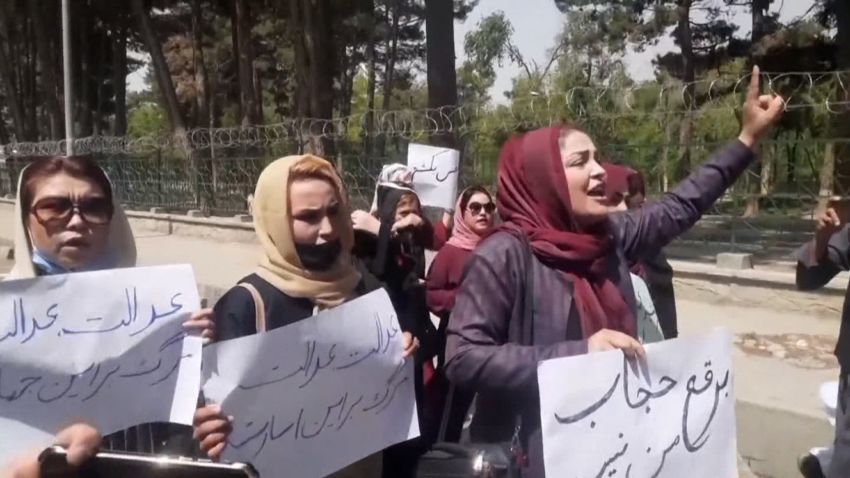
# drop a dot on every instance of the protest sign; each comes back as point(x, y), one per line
point(435, 174)
point(316, 395)
point(107, 347)
point(671, 416)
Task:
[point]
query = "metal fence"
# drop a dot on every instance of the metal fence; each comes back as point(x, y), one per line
point(215, 170)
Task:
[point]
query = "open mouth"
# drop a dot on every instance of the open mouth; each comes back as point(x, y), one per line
point(597, 191)
point(77, 243)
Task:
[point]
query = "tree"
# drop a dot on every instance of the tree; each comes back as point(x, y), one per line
point(46, 62)
point(248, 97)
point(314, 61)
point(442, 76)
point(160, 68)
point(199, 65)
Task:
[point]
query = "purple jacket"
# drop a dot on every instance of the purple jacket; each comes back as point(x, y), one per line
point(483, 351)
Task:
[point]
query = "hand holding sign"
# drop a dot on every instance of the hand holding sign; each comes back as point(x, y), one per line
point(435, 174)
point(77, 345)
point(670, 416)
point(340, 381)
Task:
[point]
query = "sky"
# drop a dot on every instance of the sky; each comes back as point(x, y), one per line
point(537, 23)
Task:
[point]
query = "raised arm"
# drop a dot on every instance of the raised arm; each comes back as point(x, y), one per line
point(478, 354)
point(819, 260)
point(647, 230)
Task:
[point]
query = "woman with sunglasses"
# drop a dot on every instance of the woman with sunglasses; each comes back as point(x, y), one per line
point(67, 221)
point(473, 220)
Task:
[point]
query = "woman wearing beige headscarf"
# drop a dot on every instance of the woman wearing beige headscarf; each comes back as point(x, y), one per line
point(301, 217)
point(67, 220)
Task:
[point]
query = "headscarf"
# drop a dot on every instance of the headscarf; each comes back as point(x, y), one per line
point(616, 179)
point(388, 196)
point(463, 237)
point(637, 184)
point(120, 247)
point(280, 265)
point(395, 174)
point(533, 200)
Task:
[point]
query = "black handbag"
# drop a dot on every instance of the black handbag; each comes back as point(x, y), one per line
point(481, 460)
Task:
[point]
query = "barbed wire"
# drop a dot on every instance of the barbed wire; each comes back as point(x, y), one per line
point(827, 92)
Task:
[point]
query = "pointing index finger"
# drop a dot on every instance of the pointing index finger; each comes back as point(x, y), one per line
point(755, 85)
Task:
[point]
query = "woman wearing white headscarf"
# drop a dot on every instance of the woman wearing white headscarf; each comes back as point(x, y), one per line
point(67, 220)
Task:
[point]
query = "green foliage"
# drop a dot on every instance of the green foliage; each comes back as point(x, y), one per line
point(147, 119)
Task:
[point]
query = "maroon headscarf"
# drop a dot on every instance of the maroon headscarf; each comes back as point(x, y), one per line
point(533, 200)
point(637, 185)
point(617, 180)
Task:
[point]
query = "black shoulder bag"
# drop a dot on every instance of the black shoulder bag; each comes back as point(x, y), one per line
point(482, 460)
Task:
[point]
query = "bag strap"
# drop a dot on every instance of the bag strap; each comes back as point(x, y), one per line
point(259, 306)
point(527, 337)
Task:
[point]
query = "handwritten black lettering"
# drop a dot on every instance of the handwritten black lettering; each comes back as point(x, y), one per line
point(173, 369)
point(175, 308)
point(132, 313)
point(664, 456)
point(44, 398)
point(701, 439)
point(102, 383)
point(261, 432)
point(591, 409)
point(644, 394)
point(383, 339)
point(20, 320)
point(26, 383)
point(612, 460)
point(147, 371)
point(433, 167)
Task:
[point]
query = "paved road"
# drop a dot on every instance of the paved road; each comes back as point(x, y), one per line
point(781, 357)
point(780, 360)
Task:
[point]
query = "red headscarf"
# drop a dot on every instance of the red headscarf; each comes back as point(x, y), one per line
point(616, 180)
point(533, 200)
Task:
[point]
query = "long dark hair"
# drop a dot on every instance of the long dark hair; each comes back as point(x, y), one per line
point(80, 167)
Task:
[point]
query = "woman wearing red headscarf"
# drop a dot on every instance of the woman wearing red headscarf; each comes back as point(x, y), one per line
point(557, 237)
point(473, 220)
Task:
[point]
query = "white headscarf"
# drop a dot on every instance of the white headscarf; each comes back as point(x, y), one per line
point(121, 245)
point(394, 175)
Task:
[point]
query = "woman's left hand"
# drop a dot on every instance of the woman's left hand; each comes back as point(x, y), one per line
point(202, 321)
point(411, 345)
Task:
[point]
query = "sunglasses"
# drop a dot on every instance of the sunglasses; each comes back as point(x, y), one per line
point(60, 210)
point(475, 208)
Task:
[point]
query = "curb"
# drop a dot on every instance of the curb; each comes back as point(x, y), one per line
point(760, 278)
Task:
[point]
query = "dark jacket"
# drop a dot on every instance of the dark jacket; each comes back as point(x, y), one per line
point(812, 275)
point(659, 280)
point(483, 351)
point(235, 311)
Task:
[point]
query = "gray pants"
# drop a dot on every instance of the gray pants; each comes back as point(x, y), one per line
point(840, 465)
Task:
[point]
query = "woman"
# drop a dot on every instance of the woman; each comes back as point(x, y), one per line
point(617, 193)
point(558, 240)
point(473, 220)
point(302, 221)
point(433, 237)
point(396, 256)
point(67, 220)
point(654, 268)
